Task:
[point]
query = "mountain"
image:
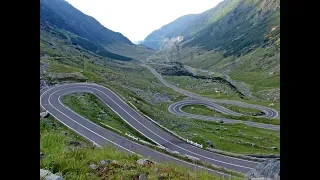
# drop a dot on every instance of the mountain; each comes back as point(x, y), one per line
point(137, 42)
point(238, 39)
point(157, 37)
point(233, 26)
point(83, 30)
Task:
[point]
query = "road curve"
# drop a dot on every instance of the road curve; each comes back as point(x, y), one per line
point(51, 101)
point(176, 108)
point(269, 112)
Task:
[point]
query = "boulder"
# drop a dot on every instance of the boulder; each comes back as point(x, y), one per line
point(74, 143)
point(44, 114)
point(93, 166)
point(53, 177)
point(143, 162)
point(269, 169)
point(143, 176)
point(41, 155)
point(210, 144)
point(47, 175)
point(44, 173)
point(114, 162)
point(104, 162)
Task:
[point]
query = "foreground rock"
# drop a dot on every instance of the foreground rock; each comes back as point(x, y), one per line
point(41, 155)
point(74, 143)
point(210, 144)
point(143, 176)
point(269, 169)
point(93, 166)
point(44, 114)
point(104, 162)
point(143, 162)
point(47, 175)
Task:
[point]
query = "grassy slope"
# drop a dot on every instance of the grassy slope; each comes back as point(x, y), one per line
point(233, 27)
point(209, 90)
point(90, 107)
point(87, 32)
point(234, 138)
point(239, 109)
point(121, 77)
point(243, 28)
point(203, 110)
point(259, 70)
point(202, 87)
point(72, 162)
point(241, 40)
point(136, 52)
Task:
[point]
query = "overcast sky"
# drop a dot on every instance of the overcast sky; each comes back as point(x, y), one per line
point(136, 19)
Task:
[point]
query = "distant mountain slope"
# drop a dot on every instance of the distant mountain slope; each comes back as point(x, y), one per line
point(155, 39)
point(237, 39)
point(64, 16)
point(84, 30)
point(233, 26)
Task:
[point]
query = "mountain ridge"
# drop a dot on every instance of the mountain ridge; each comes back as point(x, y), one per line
point(62, 19)
point(79, 23)
point(235, 24)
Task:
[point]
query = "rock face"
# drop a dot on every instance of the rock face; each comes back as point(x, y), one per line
point(269, 169)
point(177, 70)
point(43, 67)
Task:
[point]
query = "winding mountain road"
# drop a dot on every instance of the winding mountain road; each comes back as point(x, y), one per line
point(50, 100)
point(176, 107)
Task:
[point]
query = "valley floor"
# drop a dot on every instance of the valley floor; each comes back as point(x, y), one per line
point(136, 84)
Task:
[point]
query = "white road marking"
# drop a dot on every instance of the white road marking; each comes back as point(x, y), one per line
point(121, 137)
point(163, 138)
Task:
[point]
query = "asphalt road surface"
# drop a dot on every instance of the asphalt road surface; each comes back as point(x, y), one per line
point(51, 101)
point(174, 108)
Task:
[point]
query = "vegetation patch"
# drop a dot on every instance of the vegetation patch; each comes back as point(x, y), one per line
point(75, 162)
point(93, 109)
point(205, 111)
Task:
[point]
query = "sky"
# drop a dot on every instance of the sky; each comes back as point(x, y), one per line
point(136, 19)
